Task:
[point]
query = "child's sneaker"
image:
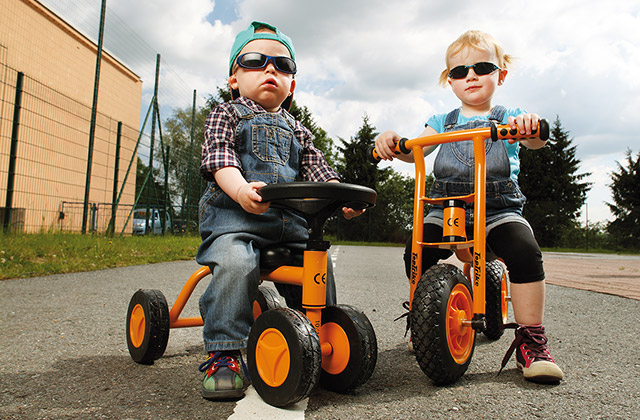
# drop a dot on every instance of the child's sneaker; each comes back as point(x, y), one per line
point(222, 379)
point(532, 355)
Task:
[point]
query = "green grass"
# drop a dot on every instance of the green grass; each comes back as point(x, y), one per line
point(45, 253)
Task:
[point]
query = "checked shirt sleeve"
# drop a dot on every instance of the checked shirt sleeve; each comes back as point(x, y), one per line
point(218, 146)
point(314, 166)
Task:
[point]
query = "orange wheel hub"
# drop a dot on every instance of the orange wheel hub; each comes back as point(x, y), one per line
point(136, 325)
point(257, 310)
point(459, 336)
point(503, 299)
point(272, 357)
point(338, 358)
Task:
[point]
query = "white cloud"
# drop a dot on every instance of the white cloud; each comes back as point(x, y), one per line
point(576, 59)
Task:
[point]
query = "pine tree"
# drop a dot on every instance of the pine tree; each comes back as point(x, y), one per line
point(555, 191)
point(353, 166)
point(625, 189)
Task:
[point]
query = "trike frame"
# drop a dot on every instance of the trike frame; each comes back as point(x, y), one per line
point(461, 312)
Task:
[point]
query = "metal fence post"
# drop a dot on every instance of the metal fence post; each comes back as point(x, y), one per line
point(92, 127)
point(11, 175)
point(187, 214)
point(116, 168)
point(153, 132)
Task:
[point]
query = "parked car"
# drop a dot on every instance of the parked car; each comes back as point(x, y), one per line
point(140, 217)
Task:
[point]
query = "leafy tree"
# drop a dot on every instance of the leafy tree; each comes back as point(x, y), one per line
point(223, 95)
point(184, 157)
point(144, 184)
point(555, 191)
point(625, 188)
point(394, 208)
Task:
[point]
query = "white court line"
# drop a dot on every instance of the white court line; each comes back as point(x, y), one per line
point(253, 407)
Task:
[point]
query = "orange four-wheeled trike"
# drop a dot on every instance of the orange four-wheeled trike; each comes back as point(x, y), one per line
point(288, 352)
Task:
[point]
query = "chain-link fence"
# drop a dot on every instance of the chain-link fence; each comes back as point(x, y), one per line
point(45, 131)
point(43, 165)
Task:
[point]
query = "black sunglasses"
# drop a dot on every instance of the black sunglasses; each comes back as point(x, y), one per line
point(481, 69)
point(254, 60)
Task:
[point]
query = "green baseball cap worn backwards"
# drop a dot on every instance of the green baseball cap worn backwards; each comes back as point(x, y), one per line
point(248, 35)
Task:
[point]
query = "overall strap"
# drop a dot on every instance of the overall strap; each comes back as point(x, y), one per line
point(291, 121)
point(452, 118)
point(243, 111)
point(497, 114)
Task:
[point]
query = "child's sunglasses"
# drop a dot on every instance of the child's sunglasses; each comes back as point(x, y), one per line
point(481, 69)
point(254, 60)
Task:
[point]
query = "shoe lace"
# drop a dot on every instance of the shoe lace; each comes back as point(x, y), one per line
point(221, 359)
point(533, 337)
point(406, 306)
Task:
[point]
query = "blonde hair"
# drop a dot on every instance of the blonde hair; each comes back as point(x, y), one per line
point(480, 41)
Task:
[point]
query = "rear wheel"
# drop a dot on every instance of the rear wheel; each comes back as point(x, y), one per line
point(147, 326)
point(442, 342)
point(267, 299)
point(284, 358)
point(496, 299)
point(354, 348)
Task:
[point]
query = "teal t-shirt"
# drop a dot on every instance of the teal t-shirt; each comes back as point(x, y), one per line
point(437, 123)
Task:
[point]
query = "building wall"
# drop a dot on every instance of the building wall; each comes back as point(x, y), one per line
point(59, 67)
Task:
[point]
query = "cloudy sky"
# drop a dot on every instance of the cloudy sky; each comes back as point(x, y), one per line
point(382, 59)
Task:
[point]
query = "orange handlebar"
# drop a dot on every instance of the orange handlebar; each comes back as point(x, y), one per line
point(495, 132)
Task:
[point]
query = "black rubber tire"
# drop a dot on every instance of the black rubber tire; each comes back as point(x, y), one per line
point(429, 324)
point(292, 295)
point(363, 348)
point(304, 360)
point(152, 314)
point(494, 313)
point(267, 299)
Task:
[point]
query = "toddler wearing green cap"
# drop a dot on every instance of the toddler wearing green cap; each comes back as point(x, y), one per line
point(250, 142)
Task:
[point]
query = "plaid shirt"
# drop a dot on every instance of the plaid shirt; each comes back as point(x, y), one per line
point(218, 149)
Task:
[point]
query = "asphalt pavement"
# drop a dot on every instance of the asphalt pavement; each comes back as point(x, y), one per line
point(63, 352)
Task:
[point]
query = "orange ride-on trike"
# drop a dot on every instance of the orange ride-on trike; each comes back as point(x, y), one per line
point(447, 306)
point(288, 352)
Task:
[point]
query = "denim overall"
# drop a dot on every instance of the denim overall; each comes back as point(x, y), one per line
point(454, 172)
point(232, 238)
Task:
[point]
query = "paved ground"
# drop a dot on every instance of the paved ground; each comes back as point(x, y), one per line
point(63, 353)
point(611, 274)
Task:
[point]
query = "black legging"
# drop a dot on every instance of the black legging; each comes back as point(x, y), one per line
point(513, 242)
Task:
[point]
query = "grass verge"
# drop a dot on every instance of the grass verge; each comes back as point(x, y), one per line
point(53, 253)
point(43, 254)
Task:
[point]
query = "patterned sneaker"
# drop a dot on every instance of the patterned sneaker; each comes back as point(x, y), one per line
point(532, 355)
point(222, 380)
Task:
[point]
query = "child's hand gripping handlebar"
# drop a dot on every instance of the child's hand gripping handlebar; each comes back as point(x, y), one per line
point(495, 132)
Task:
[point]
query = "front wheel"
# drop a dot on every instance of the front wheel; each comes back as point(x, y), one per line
point(284, 358)
point(147, 326)
point(354, 348)
point(442, 340)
